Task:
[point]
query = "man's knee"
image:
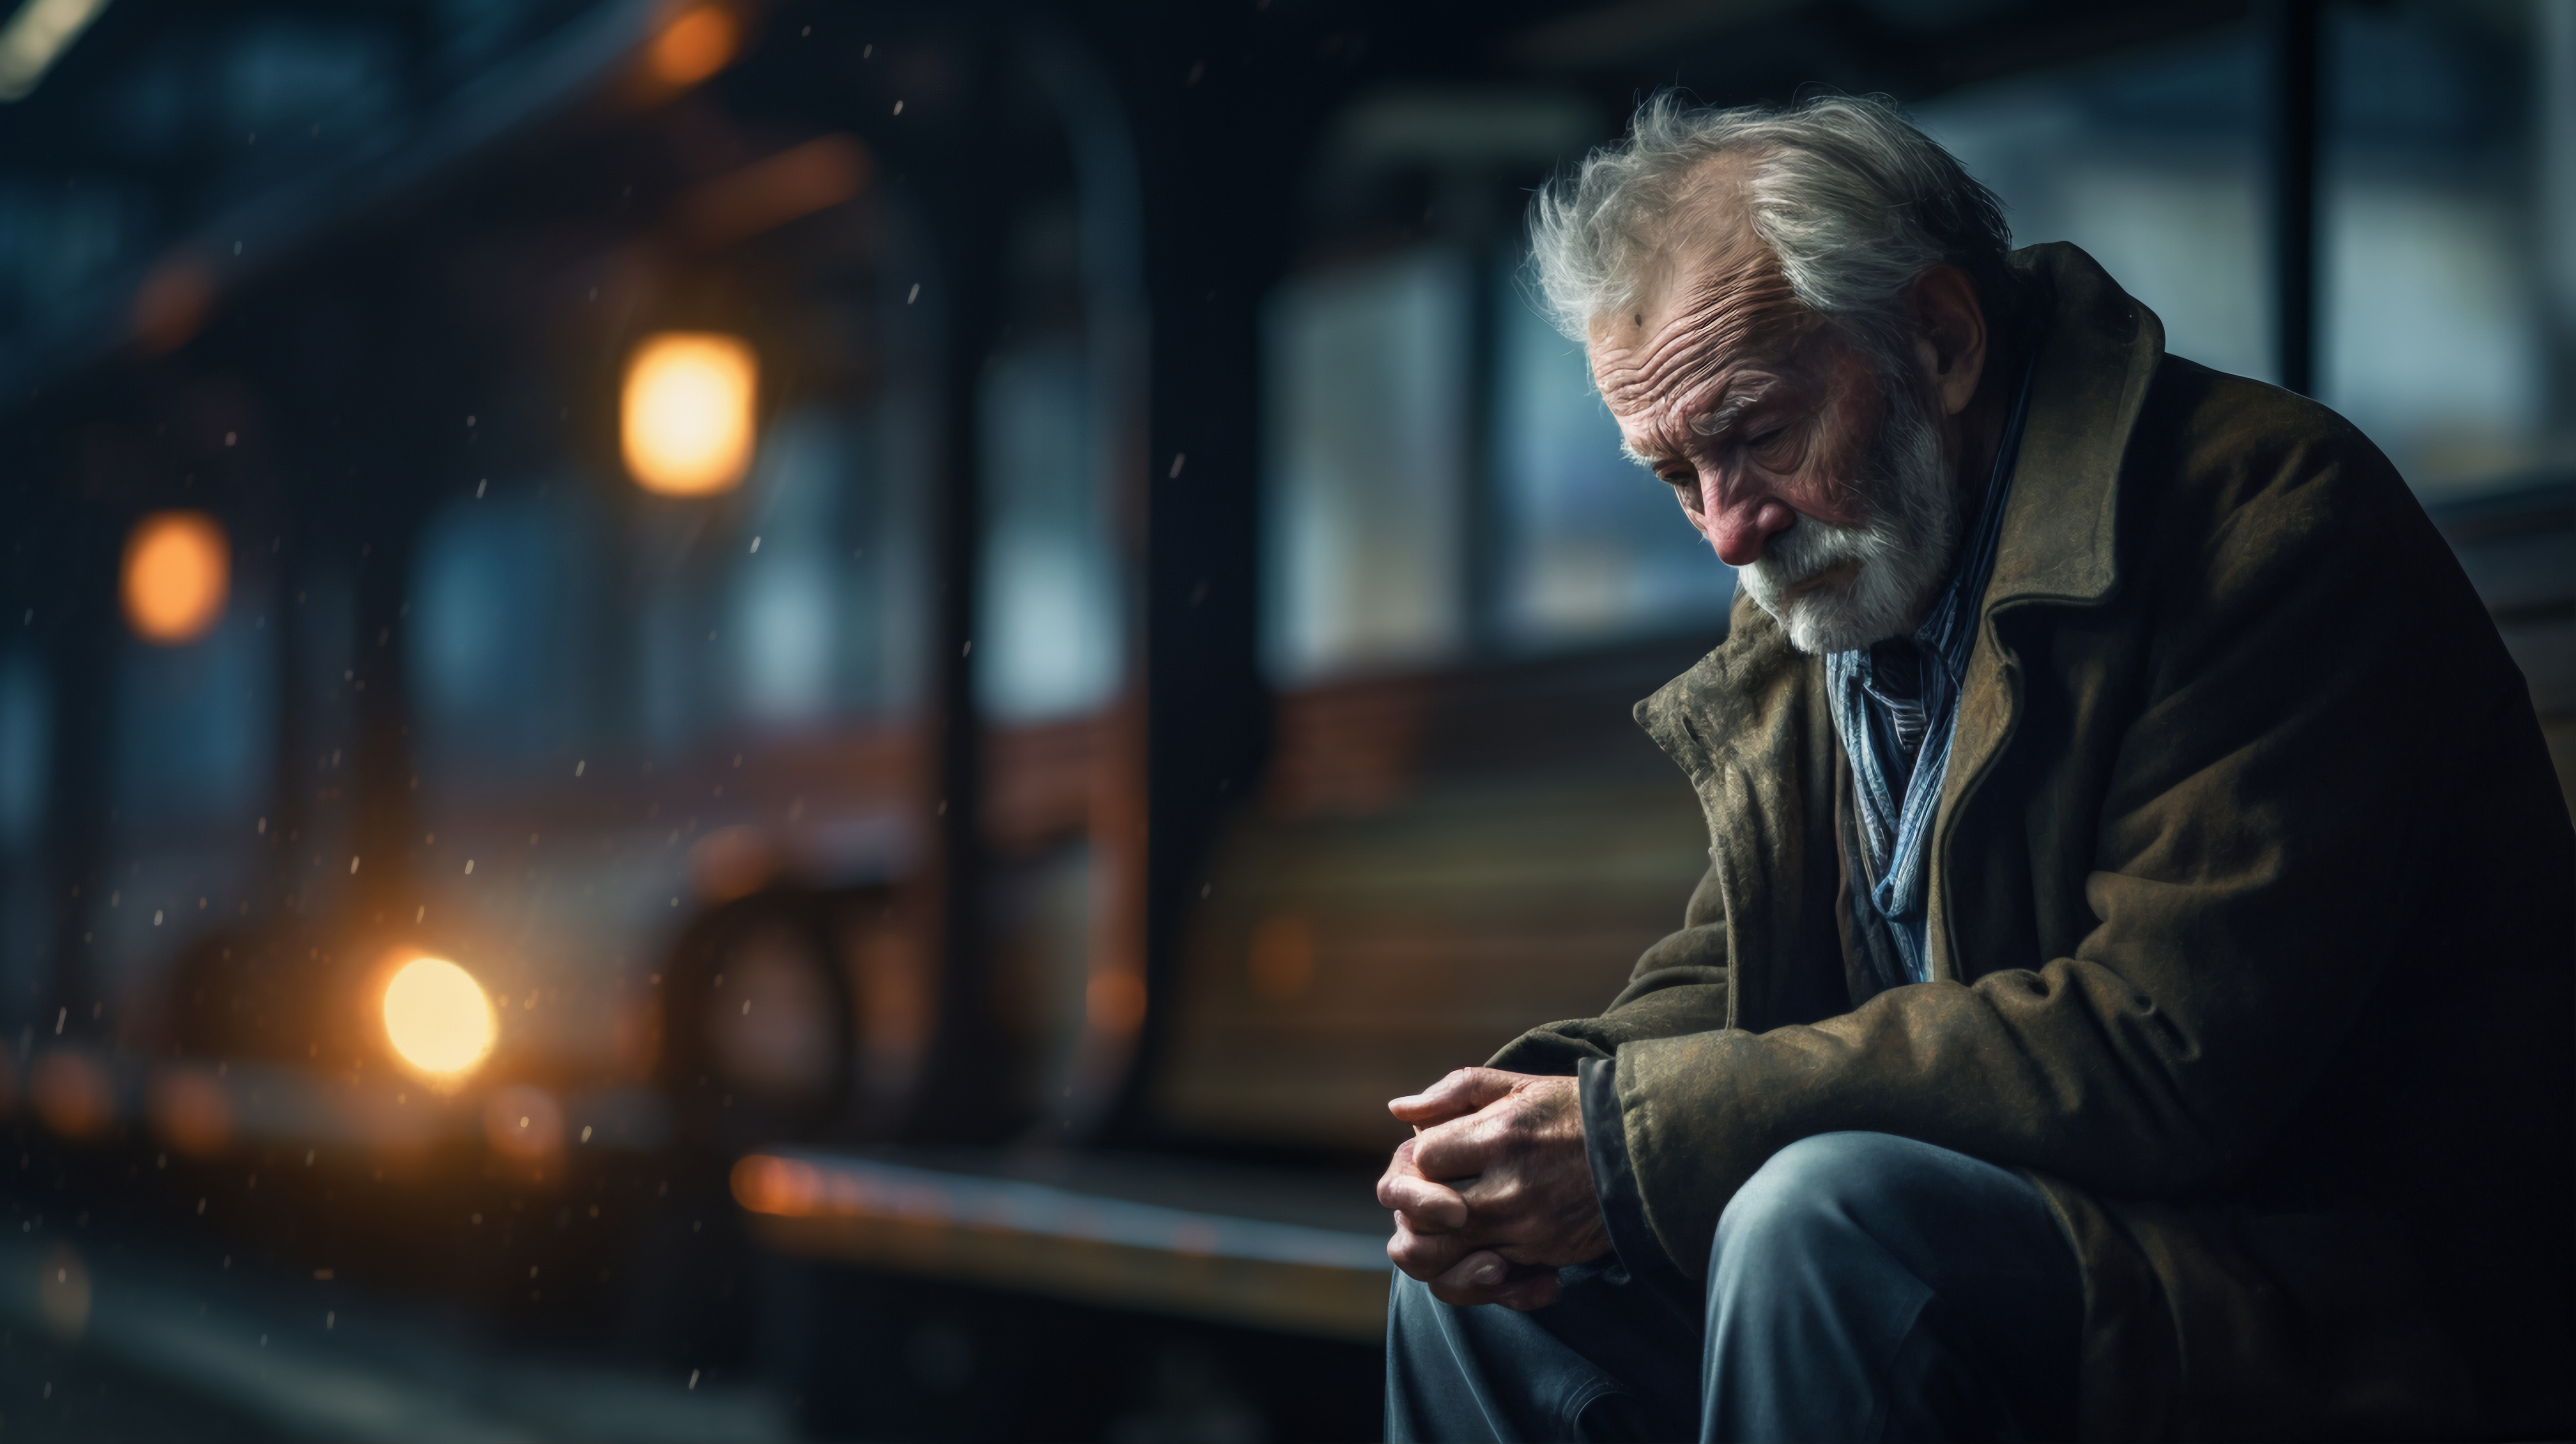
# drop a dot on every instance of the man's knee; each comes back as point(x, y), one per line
point(1843, 1201)
point(1818, 1189)
point(1409, 1303)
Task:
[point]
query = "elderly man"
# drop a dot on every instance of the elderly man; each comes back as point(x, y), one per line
point(2130, 993)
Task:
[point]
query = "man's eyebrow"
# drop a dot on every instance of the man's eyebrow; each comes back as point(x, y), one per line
point(1721, 418)
point(1716, 421)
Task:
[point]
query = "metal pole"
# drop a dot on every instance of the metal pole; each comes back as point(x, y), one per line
point(2296, 106)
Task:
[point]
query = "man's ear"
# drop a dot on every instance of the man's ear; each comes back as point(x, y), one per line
point(1949, 335)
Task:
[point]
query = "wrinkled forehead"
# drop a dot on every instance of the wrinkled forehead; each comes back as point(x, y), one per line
point(1712, 299)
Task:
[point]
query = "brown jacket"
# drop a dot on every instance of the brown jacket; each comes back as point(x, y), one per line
point(2250, 926)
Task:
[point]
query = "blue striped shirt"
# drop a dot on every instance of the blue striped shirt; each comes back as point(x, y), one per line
point(1894, 707)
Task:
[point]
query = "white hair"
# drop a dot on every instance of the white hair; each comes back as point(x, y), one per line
point(1852, 200)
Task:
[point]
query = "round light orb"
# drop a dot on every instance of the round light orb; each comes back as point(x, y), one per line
point(178, 572)
point(437, 1017)
point(687, 413)
point(696, 45)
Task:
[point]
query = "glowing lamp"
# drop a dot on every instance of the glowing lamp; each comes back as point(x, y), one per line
point(687, 421)
point(437, 1017)
point(694, 46)
point(178, 570)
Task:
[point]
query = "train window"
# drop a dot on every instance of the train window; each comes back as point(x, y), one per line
point(26, 761)
point(26, 748)
point(194, 753)
point(1590, 547)
point(2153, 161)
point(55, 243)
point(2434, 241)
point(194, 723)
point(497, 654)
point(281, 73)
point(1050, 594)
point(821, 599)
point(1364, 502)
point(802, 608)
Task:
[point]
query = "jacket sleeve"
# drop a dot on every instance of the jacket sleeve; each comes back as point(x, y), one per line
point(1677, 987)
point(2306, 666)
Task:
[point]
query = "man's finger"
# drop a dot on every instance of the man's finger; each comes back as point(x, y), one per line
point(1529, 1288)
point(1485, 1277)
point(1424, 1256)
point(1431, 1207)
point(1427, 1206)
point(1461, 1093)
point(1459, 1148)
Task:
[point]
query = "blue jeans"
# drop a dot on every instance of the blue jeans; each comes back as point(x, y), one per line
point(1862, 1286)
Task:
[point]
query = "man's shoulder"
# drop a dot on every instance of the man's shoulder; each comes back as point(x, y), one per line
point(2246, 505)
point(2215, 426)
point(2215, 455)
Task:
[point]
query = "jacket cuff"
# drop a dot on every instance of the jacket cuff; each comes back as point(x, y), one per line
point(1614, 1183)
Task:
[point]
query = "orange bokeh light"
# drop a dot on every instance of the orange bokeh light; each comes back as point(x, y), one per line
point(178, 572)
point(171, 304)
point(72, 1093)
point(780, 1186)
point(696, 45)
point(191, 1110)
point(438, 1018)
point(1114, 1002)
point(523, 1123)
point(687, 414)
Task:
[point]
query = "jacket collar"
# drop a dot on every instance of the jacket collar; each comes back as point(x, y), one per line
point(2097, 355)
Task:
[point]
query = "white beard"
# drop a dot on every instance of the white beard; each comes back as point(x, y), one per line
point(1905, 549)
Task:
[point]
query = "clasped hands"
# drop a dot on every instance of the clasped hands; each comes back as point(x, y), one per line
point(1493, 1193)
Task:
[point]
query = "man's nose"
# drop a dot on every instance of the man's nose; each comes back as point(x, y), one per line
point(1738, 525)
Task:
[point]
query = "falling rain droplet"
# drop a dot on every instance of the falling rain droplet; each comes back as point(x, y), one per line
point(353, 867)
point(898, 107)
point(469, 867)
point(578, 766)
point(755, 544)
